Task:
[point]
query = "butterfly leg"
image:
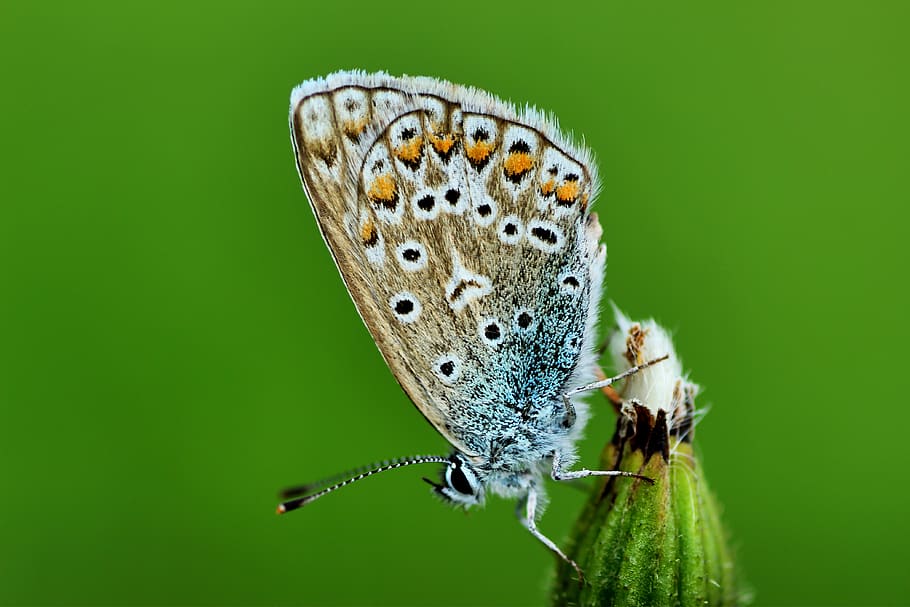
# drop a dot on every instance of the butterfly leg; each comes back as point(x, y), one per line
point(528, 519)
point(609, 391)
point(611, 380)
point(559, 474)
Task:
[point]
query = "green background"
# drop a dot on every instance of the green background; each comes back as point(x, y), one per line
point(176, 345)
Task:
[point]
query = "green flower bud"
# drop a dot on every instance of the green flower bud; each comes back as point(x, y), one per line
point(644, 544)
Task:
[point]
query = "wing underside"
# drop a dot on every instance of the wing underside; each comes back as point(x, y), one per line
point(462, 230)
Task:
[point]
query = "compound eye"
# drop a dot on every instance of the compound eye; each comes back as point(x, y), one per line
point(459, 482)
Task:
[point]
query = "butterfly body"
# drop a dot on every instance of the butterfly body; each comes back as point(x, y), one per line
point(462, 229)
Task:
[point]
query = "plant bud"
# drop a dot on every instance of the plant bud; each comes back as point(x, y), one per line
point(644, 544)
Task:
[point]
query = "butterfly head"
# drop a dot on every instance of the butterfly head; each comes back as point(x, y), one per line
point(462, 483)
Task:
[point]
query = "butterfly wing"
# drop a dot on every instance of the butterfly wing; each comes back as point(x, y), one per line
point(462, 231)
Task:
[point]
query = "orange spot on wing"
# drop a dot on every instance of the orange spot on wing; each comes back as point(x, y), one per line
point(518, 163)
point(567, 192)
point(368, 233)
point(383, 189)
point(442, 144)
point(547, 187)
point(410, 151)
point(479, 152)
point(353, 128)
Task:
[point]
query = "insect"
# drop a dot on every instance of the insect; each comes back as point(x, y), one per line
point(462, 229)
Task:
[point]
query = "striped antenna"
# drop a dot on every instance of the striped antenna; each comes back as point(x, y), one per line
point(299, 492)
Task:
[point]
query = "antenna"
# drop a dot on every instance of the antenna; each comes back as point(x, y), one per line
point(299, 492)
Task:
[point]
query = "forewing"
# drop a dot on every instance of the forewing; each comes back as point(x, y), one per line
point(461, 229)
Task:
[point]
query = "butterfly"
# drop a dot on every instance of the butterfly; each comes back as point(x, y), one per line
point(462, 229)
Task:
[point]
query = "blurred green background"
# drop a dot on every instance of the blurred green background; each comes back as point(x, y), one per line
point(176, 345)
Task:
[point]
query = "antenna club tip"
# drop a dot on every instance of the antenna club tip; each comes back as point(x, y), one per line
point(280, 509)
